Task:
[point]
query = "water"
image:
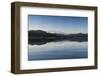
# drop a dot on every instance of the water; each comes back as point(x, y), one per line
point(58, 50)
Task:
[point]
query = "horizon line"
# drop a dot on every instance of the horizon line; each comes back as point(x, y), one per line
point(58, 32)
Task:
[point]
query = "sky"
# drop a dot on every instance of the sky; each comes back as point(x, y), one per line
point(58, 24)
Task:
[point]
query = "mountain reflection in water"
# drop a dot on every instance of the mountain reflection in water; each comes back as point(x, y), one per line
point(41, 42)
point(58, 50)
point(51, 46)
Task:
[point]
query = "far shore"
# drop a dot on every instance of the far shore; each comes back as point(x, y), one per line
point(41, 37)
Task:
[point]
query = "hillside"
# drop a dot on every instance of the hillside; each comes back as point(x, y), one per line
point(43, 36)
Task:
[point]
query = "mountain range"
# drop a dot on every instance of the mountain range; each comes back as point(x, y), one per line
point(40, 36)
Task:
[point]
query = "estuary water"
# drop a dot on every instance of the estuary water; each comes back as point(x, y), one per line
point(58, 50)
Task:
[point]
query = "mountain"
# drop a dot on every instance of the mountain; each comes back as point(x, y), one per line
point(40, 36)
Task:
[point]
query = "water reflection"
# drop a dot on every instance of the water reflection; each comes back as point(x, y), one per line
point(41, 42)
point(58, 50)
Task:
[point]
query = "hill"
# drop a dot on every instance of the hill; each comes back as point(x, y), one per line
point(35, 36)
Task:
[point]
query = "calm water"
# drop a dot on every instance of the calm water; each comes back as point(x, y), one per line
point(58, 50)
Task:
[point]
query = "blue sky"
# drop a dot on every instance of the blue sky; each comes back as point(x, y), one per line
point(58, 24)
